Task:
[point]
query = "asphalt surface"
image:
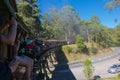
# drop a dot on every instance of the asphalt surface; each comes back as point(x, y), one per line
point(100, 69)
point(74, 70)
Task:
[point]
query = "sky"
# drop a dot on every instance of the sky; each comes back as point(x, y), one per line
point(86, 9)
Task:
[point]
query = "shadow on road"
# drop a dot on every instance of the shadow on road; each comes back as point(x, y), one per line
point(62, 72)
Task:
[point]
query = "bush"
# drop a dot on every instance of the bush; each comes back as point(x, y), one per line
point(69, 49)
point(93, 50)
point(88, 69)
point(85, 50)
point(80, 44)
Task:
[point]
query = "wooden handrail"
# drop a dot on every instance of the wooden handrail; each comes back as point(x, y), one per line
point(14, 14)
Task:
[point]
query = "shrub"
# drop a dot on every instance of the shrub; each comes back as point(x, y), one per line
point(93, 50)
point(88, 69)
point(80, 44)
point(69, 49)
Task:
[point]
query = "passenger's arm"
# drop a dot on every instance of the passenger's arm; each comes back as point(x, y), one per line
point(10, 38)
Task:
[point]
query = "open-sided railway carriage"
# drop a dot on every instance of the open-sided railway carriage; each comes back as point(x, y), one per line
point(8, 9)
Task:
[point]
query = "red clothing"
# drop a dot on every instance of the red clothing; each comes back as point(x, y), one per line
point(29, 46)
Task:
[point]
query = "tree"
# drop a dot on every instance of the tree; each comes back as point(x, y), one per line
point(70, 21)
point(50, 22)
point(117, 35)
point(95, 19)
point(29, 12)
point(113, 4)
point(64, 22)
point(88, 69)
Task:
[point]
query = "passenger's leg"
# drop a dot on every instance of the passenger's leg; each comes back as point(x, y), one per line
point(28, 63)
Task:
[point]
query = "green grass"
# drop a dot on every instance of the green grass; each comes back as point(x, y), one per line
point(114, 78)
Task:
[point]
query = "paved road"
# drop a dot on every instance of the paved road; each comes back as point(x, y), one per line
point(100, 69)
point(75, 72)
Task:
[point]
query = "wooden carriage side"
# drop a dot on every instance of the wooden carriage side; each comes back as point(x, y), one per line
point(9, 8)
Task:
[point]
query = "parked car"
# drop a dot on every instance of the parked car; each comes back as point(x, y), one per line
point(96, 77)
point(115, 68)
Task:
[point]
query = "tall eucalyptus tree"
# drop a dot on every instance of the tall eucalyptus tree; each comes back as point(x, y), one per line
point(64, 22)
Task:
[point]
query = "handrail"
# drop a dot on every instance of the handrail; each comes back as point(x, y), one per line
point(14, 14)
point(10, 8)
